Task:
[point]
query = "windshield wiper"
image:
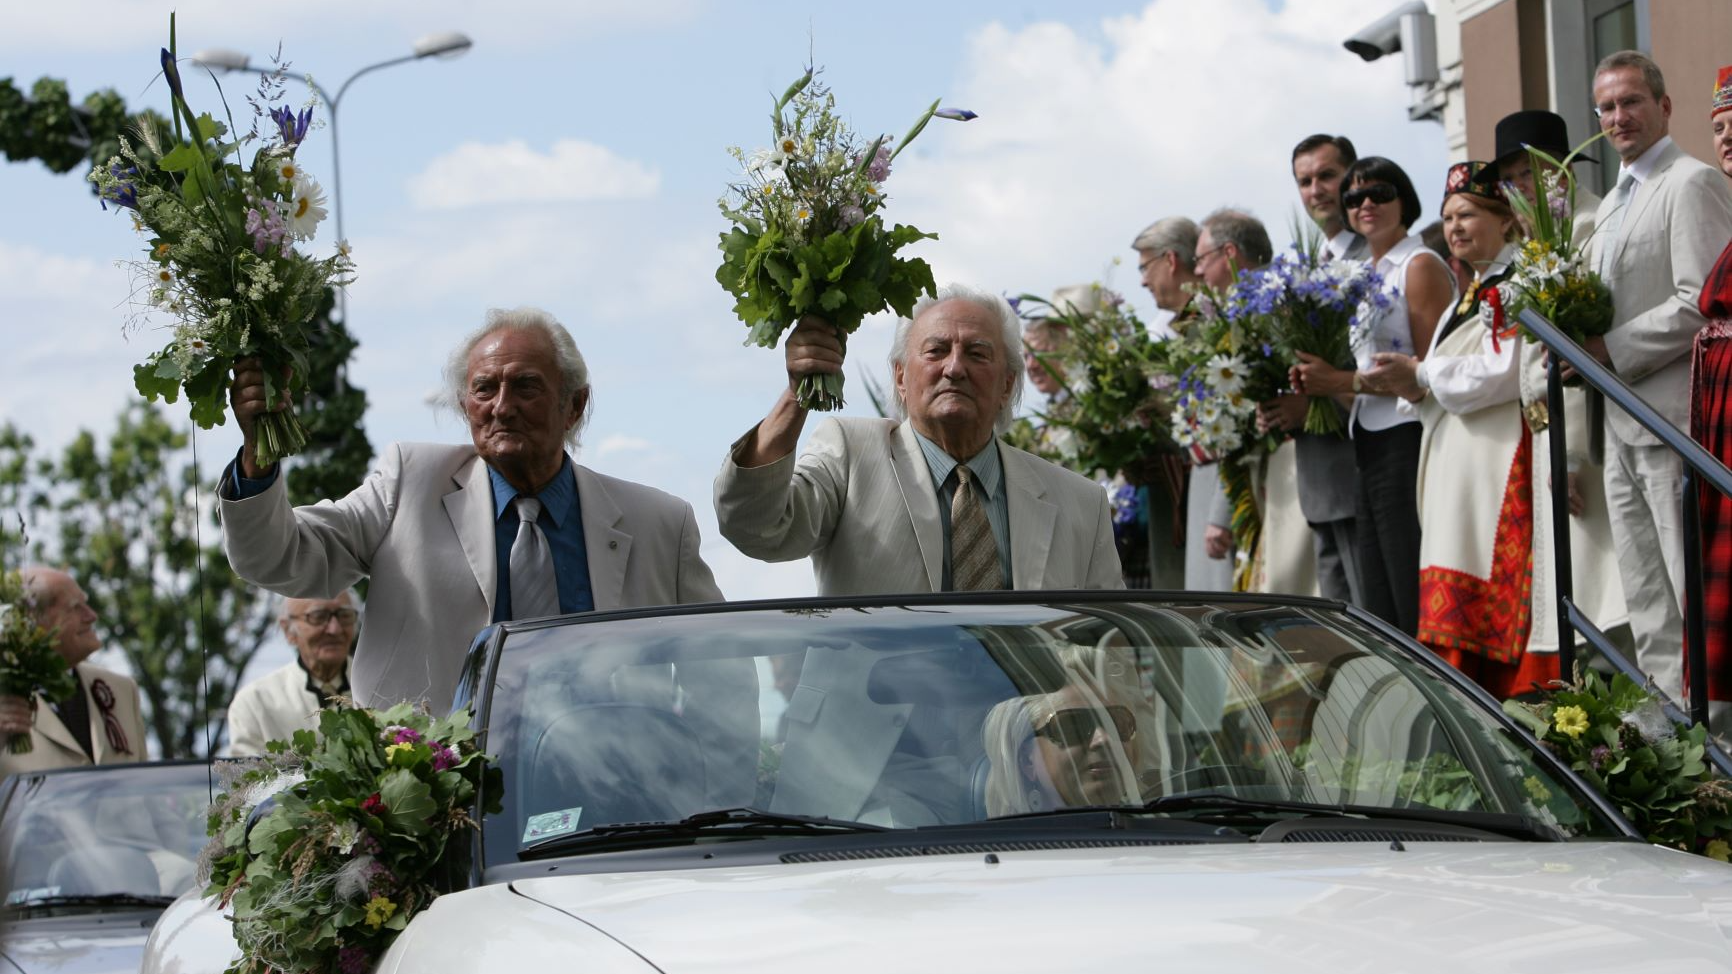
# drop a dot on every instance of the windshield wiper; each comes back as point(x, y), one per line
point(745, 822)
point(1514, 826)
point(102, 900)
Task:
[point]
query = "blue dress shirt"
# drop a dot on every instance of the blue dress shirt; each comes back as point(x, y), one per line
point(562, 521)
point(988, 471)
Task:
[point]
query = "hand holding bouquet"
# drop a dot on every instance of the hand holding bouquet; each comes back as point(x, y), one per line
point(808, 238)
point(221, 257)
point(29, 662)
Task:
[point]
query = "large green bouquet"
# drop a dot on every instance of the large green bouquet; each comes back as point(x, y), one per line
point(808, 236)
point(1114, 409)
point(29, 663)
point(1617, 736)
point(369, 824)
point(221, 259)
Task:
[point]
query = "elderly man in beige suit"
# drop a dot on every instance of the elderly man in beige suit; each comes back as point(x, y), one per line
point(102, 723)
point(456, 537)
point(288, 699)
point(1660, 230)
point(934, 503)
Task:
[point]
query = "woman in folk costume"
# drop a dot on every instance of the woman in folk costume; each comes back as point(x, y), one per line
point(1476, 459)
point(1711, 426)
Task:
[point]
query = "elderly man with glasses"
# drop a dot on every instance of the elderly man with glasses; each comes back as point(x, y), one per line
point(273, 707)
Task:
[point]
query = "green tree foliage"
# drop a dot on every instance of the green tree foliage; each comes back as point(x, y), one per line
point(123, 518)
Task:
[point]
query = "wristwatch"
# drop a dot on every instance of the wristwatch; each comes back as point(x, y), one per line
point(1358, 383)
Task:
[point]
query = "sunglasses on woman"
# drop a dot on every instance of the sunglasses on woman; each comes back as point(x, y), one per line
point(1075, 728)
point(1379, 193)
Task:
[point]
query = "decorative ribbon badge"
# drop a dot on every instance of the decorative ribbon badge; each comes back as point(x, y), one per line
point(1494, 298)
point(104, 697)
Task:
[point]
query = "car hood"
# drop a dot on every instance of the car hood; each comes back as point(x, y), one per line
point(110, 942)
point(1583, 907)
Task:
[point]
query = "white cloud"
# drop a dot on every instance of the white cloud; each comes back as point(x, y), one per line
point(474, 174)
point(621, 443)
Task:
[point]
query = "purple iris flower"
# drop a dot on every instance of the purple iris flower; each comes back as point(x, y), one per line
point(956, 114)
point(122, 193)
point(291, 126)
point(171, 71)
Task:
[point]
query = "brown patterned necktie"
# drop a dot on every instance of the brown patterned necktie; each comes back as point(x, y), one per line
point(973, 552)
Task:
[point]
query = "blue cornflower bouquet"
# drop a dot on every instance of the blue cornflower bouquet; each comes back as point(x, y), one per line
point(222, 260)
point(808, 237)
point(1317, 306)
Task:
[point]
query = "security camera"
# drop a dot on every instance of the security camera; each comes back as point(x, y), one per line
point(1383, 35)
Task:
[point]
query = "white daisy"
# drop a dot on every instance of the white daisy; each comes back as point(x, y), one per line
point(306, 207)
point(1227, 374)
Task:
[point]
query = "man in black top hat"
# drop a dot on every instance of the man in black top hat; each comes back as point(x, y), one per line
point(1547, 132)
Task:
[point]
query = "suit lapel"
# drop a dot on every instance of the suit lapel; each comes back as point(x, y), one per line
point(919, 496)
point(470, 507)
point(1032, 518)
point(1645, 193)
point(607, 548)
point(50, 727)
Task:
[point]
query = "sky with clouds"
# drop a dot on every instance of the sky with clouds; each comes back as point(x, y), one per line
point(572, 160)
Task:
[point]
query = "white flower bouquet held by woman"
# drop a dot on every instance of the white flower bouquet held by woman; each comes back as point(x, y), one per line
point(808, 235)
point(221, 260)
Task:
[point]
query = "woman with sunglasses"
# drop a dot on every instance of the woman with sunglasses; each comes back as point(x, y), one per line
point(1381, 206)
point(1476, 457)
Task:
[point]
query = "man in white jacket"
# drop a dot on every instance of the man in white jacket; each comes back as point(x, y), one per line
point(273, 707)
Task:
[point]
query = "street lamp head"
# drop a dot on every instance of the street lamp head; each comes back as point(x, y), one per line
point(222, 59)
point(445, 44)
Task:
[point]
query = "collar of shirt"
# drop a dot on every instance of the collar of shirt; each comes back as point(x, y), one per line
point(1643, 168)
point(1341, 243)
point(557, 498)
point(987, 467)
point(325, 688)
point(1398, 253)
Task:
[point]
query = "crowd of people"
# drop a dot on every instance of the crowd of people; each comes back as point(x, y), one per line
point(1432, 512)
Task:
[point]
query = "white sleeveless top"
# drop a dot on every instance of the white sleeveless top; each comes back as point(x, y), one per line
point(1391, 332)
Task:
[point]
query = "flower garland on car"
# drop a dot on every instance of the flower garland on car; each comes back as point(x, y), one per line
point(1616, 735)
point(364, 826)
point(221, 257)
point(1551, 273)
point(808, 237)
point(29, 662)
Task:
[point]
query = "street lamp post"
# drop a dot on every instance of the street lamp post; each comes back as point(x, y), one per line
point(446, 44)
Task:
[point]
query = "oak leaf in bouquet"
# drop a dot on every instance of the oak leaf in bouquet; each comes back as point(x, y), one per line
point(221, 260)
point(809, 236)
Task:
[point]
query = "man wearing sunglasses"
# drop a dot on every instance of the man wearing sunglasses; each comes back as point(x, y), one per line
point(271, 708)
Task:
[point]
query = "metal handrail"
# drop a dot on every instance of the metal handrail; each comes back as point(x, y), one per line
point(1700, 465)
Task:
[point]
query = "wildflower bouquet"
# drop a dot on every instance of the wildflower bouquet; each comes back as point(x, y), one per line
point(1222, 365)
point(1114, 409)
point(222, 260)
point(1617, 736)
point(1551, 273)
point(29, 663)
point(808, 237)
point(1316, 306)
point(369, 825)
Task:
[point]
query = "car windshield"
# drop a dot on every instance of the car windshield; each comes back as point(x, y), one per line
point(121, 832)
point(941, 714)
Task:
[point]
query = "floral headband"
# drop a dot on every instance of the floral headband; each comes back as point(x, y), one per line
point(1461, 179)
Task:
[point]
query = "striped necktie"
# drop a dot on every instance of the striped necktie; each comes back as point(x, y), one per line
point(973, 552)
point(534, 589)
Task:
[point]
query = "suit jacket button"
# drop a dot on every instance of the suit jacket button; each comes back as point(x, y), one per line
point(613, 544)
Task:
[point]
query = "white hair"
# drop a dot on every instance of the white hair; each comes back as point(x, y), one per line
point(355, 602)
point(1009, 340)
point(573, 372)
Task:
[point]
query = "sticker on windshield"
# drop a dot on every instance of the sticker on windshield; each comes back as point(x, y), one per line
point(551, 823)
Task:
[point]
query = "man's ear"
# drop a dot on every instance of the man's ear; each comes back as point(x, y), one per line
point(580, 404)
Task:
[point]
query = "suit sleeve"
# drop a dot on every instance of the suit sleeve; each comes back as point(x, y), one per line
point(1220, 505)
point(246, 732)
point(784, 511)
point(1105, 571)
point(1697, 224)
point(696, 583)
point(314, 551)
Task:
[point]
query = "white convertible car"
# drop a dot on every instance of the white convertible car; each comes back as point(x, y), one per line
point(1019, 782)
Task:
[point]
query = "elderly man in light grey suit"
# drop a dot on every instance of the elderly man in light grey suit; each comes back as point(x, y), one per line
point(456, 537)
point(1660, 230)
point(289, 698)
point(934, 503)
